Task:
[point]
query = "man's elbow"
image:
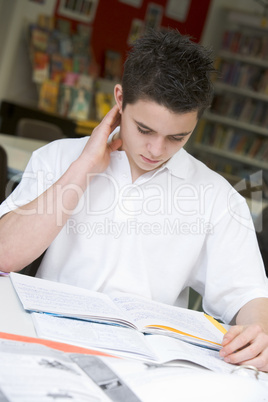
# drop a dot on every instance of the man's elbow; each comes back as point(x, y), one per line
point(8, 263)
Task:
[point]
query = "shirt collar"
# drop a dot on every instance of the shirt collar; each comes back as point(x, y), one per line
point(178, 165)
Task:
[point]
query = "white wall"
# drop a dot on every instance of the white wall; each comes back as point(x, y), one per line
point(15, 67)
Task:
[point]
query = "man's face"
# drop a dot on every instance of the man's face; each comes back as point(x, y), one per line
point(152, 134)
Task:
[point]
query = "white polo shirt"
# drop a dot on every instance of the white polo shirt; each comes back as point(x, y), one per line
point(178, 226)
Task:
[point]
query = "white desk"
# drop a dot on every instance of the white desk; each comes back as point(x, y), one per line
point(19, 151)
point(151, 385)
point(13, 318)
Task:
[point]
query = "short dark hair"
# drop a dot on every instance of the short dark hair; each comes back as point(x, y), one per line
point(170, 69)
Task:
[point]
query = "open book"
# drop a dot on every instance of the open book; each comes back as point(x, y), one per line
point(127, 343)
point(144, 315)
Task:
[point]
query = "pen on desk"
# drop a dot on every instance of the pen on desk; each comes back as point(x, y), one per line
point(4, 273)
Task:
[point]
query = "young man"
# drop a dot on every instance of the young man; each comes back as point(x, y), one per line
point(129, 209)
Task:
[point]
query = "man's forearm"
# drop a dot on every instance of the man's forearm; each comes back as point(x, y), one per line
point(254, 312)
point(26, 232)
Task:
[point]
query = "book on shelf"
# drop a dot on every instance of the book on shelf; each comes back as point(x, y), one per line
point(262, 152)
point(219, 137)
point(46, 22)
point(236, 126)
point(71, 78)
point(249, 144)
point(199, 130)
point(257, 114)
point(263, 82)
point(55, 52)
point(63, 26)
point(67, 65)
point(228, 137)
point(240, 75)
point(40, 67)
point(240, 146)
point(247, 110)
point(53, 43)
point(85, 81)
point(81, 44)
point(56, 67)
point(234, 141)
point(64, 99)
point(38, 38)
point(80, 106)
point(113, 65)
point(65, 46)
point(245, 43)
point(265, 154)
point(48, 96)
point(120, 310)
point(103, 103)
point(80, 64)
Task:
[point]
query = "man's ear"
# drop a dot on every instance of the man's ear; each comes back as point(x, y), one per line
point(118, 96)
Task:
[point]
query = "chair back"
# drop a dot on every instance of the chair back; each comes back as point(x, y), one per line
point(3, 173)
point(38, 129)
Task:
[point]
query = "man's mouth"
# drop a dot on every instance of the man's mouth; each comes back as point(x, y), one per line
point(151, 161)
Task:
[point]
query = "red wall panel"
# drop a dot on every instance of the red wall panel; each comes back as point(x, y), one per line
point(112, 23)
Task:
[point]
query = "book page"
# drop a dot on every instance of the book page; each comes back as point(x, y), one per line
point(57, 298)
point(115, 339)
point(170, 349)
point(172, 384)
point(146, 313)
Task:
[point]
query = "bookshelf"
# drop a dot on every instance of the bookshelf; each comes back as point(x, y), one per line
point(232, 137)
point(66, 74)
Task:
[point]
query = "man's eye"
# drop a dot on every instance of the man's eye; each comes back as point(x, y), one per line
point(143, 131)
point(178, 139)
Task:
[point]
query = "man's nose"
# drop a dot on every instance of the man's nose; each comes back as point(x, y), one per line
point(157, 147)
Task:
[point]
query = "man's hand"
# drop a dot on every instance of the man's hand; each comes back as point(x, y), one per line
point(248, 343)
point(96, 154)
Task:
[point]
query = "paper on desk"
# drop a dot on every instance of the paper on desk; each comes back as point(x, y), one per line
point(35, 373)
point(173, 384)
point(17, 158)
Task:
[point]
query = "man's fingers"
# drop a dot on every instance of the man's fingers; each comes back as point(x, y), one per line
point(246, 345)
point(112, 117)
point(238, 337)
point(115, 144)
point(260, 361)
point(231, 334)
point(108, 123)
point(251, 351)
